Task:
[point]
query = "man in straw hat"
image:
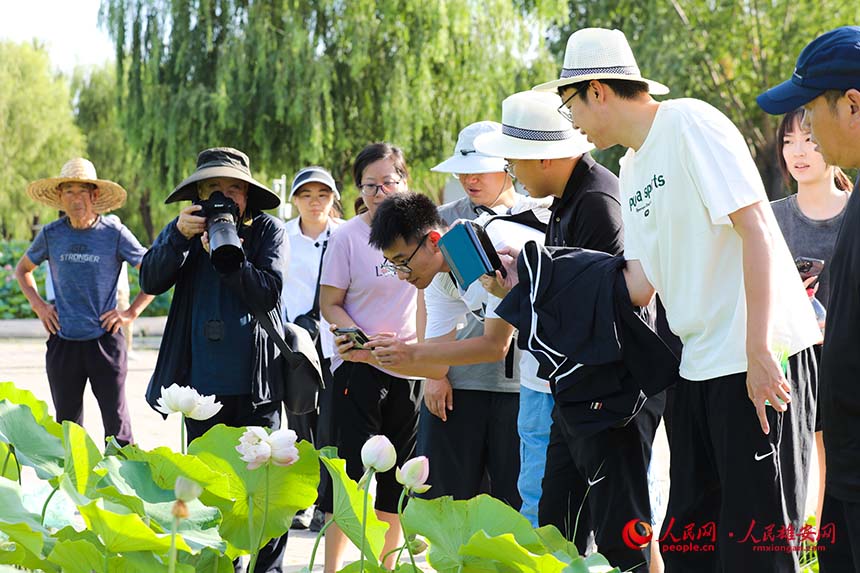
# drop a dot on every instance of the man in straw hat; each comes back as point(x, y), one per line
point(826, 82)
point(700, 232)
point(84, 251)
point(551, 159)
point(213, 341)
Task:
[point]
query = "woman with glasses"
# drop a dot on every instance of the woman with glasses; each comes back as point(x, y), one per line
point(358, 290)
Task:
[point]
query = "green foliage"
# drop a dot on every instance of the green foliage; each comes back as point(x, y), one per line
point(724, 52)
point(37, 133)
point(294, 83)
point(348, 500)
point(13, 303)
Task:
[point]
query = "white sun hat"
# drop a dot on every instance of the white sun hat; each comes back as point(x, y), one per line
point(532, 128)
point(599, 54)
point(466, 158)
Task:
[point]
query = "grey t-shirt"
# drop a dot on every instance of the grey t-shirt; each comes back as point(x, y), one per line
point(85, 266)
point(489, 376)
point(812, 238)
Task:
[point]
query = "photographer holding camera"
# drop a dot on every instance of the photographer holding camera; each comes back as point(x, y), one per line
point(226, 259)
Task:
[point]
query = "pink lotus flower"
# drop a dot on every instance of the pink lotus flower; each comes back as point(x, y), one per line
point(254, 447)
point(283, 444)
point(414, 473)
point(378, 454)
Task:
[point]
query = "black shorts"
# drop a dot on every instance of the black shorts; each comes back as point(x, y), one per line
point(368, 402)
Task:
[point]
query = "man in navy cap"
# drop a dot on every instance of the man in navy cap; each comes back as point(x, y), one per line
point(826, 82)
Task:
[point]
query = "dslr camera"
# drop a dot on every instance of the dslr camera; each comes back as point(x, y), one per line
point(222, 224)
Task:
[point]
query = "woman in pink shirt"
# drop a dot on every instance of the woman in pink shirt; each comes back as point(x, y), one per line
point(358, 289)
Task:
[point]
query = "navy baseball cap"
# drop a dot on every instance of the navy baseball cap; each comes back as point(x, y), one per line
point(830, 62)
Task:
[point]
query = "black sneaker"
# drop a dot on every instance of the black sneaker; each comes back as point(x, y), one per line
point(303, 518)
point(318, 521)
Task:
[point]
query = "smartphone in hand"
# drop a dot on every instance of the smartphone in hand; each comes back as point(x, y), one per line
point(808, 267)
point(355, 334)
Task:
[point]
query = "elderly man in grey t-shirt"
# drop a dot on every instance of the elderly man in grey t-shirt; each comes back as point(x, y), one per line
point(84, 251)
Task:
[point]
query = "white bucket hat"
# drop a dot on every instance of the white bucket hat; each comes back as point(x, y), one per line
point(79, 170)
point(466, 158)
point(532, 128)
point(314, 174)
point(599, 54)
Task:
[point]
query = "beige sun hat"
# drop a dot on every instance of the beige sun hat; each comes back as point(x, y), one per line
point(599, 54)
point(78, 170)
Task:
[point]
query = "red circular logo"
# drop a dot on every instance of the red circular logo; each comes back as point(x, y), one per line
point(637, 534)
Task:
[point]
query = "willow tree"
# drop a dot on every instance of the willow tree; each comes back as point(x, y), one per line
point(294, 83)
point(37, 134)
point(725, 52)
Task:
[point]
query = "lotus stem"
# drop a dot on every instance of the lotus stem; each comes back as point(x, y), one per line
point(364, 516)
point(182, 435)
point(317, 543)
point(262, 527)
point(403, 528)
point(251, 536)
point(45, 506)
point(171, 557)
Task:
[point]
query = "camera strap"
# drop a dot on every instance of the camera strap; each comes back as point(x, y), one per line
point(315, 309)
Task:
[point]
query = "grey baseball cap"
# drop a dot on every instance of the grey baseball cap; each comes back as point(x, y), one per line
point(314, 174)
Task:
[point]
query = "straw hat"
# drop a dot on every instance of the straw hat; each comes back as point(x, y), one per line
point(599, 54)
point(79, 170)
point(466, 158)
point(532, 128)
point(225, 162)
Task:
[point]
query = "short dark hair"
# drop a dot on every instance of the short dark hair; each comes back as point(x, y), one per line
point(403, 215)
point(373, 153)
point(625, 89)
point(832, 96)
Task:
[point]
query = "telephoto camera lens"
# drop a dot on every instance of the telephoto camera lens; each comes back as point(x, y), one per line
point(225, 248)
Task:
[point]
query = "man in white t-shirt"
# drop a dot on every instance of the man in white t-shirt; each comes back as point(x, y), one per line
point(700, 232)
point(410, 223)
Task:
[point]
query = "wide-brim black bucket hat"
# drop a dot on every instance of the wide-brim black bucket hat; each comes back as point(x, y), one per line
point(225, 162)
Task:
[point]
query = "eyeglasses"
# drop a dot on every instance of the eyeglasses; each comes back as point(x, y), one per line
point(404, 266)
point(563, 110)
point(371, 189)
point(509, 169)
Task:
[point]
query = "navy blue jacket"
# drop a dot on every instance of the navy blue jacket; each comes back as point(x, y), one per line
point(173, 260)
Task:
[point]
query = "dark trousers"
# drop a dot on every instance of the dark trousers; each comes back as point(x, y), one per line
point(368, 401)
point(727, 473)
point(839, 546)
point(69, 363)
point(479, 439)
point(595, 485)
point(237, 411)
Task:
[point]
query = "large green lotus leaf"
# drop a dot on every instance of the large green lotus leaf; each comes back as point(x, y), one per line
point(597, 563)
point(291, 488)
point(449, 525)
point(166, 465)
point(9, 391)
point(142, 562)
point(510, 555)
point(370, 566)
point(207, 560)
point(556, 543)
point(348, 501)
point(77, 556)
point(8, 467)
point(69, 533)
point(121, 533)
point(130, 483)
point(34, 445)
point(21, 527)
point(81, 456)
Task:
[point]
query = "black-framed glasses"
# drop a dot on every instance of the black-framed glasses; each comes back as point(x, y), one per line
point(563, 110)
point(404, 266)
point(371, 189)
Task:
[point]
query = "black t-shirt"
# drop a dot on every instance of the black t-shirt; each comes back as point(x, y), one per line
point(840, 361)
point(588, 214)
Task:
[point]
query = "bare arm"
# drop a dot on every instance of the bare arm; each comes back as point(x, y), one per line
point(640, 289)
point(46, 312)
point(765, 380)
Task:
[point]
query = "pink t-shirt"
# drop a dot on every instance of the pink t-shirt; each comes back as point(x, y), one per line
point(375, 298)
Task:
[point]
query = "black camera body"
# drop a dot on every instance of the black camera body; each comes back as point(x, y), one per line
point(222, 224)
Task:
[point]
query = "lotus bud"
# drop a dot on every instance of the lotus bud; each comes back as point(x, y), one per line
point(186, 490)
point(378, 454)
point(414, 473)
